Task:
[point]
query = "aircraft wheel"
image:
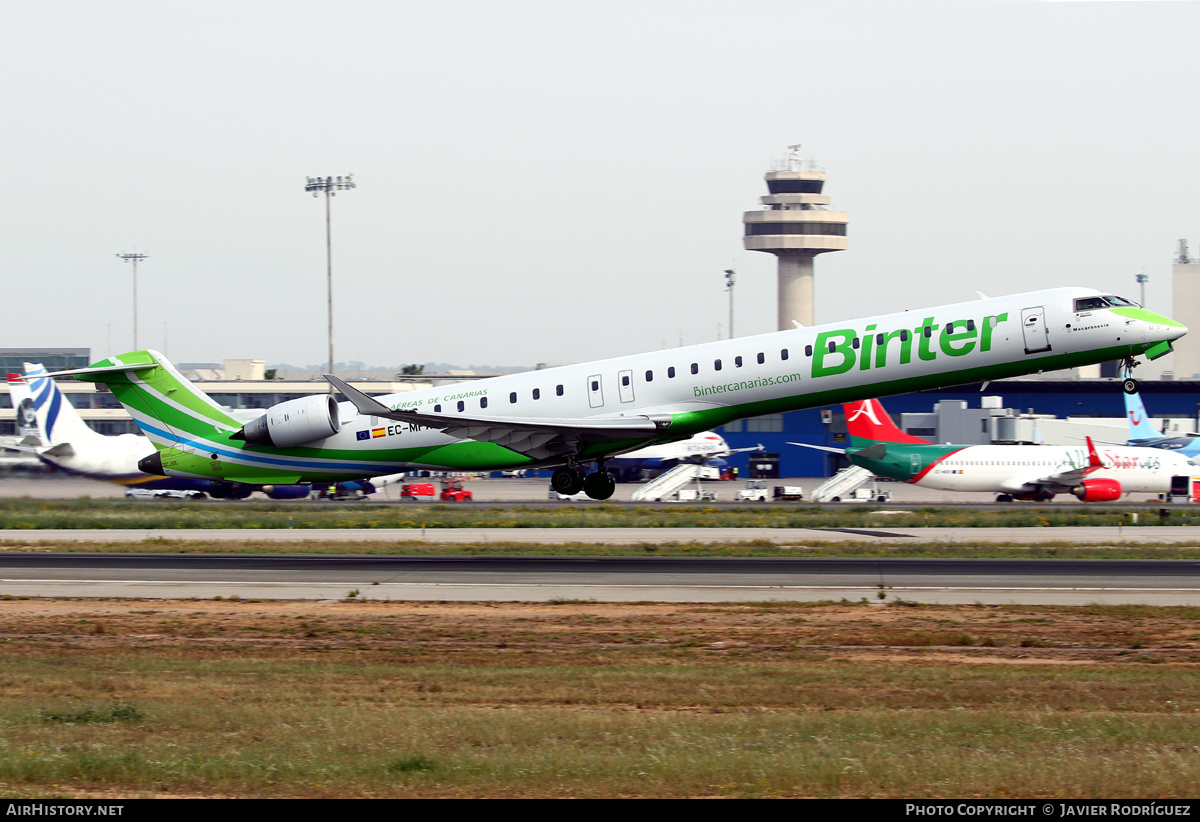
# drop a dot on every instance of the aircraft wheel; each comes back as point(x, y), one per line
point(566, 481)
point(1129, 385)
point(1004, 498)
point(599, 485)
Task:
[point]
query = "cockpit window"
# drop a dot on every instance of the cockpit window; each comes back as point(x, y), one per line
point(1107, 301)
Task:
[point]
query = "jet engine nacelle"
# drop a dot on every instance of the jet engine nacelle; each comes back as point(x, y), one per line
point(1098, 490)
point(294, 422)
point(286, 491)
point(228, 490)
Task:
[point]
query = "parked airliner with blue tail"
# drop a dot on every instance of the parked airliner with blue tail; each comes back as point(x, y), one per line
point(1142, 432)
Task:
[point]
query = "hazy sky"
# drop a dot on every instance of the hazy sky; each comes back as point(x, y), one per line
point(560, 181)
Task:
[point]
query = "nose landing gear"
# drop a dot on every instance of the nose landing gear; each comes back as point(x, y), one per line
point(1129, 384)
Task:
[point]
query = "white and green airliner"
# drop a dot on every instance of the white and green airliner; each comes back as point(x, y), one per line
point(579, 414)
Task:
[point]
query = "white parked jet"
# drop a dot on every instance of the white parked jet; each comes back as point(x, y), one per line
point(1027, 472)
point(572, 415)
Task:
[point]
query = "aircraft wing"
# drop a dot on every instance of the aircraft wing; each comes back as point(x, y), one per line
point(1064, 478)
point(535, 437)
point(732, 451)
point(829, 448)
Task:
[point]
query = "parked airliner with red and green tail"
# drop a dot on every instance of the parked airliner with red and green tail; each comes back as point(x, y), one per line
point(577, 414)
point(1026, 472)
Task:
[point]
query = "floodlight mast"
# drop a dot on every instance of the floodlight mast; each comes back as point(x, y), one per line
point(135, 259)
point(329, 185)
point(730, 280)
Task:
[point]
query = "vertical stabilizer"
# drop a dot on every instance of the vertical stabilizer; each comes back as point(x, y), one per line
point(28, 432)
point(1140, 427)
point(57, 419)
point(867, 420)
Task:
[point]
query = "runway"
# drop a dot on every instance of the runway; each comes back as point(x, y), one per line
point(608, 579)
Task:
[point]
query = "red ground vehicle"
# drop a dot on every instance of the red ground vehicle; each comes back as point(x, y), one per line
point(417, 490)
point(453, 491)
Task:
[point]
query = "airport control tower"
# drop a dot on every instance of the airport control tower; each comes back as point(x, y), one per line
point(795, 225)
point(1185, 288)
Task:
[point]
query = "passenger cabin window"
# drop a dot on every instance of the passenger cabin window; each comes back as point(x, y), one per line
point(558, 389)
point(671, 372)
point(737, 361)
point(437, 409)
point(716, 365)
point(512, 397)
point(537, 393)
point(854, 343)
point(808, 349)
point(695, 368)
point(625, 380)
point(483, 402)
point(783, 354)
point(762, 358)
point(462, 405)
point(649, 376)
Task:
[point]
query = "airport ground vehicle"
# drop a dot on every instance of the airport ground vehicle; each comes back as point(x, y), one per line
point(788, 493)
point(453, 491)
point(161, 493)
point(417, 490)
point(755, 491)
point(865, 495)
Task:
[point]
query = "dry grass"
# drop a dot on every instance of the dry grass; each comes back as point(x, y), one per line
point(124, 698)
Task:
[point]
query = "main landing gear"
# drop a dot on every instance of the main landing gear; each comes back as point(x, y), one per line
point(569, 480)
point(1129, 384)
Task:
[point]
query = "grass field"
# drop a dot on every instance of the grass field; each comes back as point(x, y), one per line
point(25, 514)
point(127, 698)
point(354, 699)
point(895, 548)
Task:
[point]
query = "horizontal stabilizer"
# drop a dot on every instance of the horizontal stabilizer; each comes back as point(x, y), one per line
point(828, 448)
point(102, 369)
point(872, 452)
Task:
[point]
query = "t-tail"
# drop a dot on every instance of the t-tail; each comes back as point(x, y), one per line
point(867, 422)
point(1140, 427)
point(167, 408)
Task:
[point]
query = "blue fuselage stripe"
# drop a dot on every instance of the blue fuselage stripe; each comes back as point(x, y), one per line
point(202, 445)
